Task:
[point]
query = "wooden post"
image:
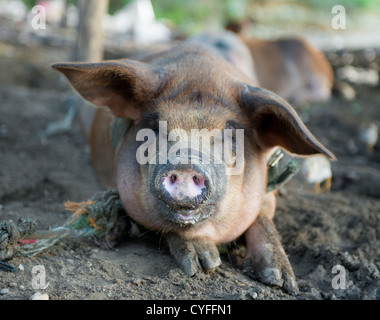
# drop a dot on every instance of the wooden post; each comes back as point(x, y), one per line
point(90, 42)
point(89, 47)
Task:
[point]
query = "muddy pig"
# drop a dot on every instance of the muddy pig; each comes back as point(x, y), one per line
point(166, 180)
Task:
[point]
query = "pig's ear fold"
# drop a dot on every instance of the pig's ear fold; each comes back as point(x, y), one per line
point(276, 123)
point(121, 85)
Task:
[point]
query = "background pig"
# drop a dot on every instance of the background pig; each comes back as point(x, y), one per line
point(196, 206)
point(292, 68)
point(229, 46)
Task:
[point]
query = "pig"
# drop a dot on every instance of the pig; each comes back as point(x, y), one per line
point(229, 46)
point(293, 68)
point(195, 205)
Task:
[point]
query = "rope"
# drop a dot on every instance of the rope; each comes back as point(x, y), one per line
point(102, 218)
point(95, 218)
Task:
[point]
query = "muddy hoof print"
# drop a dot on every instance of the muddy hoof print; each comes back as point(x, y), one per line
point(195, 255)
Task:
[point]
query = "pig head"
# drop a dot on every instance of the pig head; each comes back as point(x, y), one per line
point(196, 204)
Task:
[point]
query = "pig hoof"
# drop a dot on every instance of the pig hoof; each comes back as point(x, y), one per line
point(189, 264)
point(191, 256)
point(290, 285)
point(208, 254)
point(280, 276)
point(273, 276)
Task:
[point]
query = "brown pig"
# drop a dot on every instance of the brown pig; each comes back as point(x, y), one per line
point(292, 68)
point(195, 204)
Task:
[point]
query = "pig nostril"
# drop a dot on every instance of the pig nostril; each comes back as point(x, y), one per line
point(183, 188)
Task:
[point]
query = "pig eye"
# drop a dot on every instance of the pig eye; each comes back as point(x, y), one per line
point(149, 120)
point(233, 125)
point(154, 127)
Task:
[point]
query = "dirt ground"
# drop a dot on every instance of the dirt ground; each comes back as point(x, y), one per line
point(319, 231)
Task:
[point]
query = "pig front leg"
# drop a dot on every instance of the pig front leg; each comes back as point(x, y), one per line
point(192, 255)
point(266, 260)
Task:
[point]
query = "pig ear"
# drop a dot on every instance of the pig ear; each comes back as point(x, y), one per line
point(276, 123)
point(121, 85)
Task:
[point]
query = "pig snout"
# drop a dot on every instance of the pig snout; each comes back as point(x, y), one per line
point(187, 193)
point(185, 188)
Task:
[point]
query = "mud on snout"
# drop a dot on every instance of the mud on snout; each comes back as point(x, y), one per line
point(187, 191)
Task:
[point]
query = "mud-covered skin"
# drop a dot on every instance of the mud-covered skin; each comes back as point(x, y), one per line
point(190, 87)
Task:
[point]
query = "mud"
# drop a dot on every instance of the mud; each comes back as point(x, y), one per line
point(319, 231)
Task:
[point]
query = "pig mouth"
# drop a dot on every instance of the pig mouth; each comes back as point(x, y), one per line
point(186, 212)
point(189, 217)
